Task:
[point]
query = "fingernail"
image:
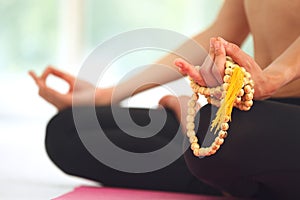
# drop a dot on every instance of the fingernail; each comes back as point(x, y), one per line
point(217, 45)
point(211, 44)
point(225, 43)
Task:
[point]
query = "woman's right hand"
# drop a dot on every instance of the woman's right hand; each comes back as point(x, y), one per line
point(211, 72)
point(81, 93)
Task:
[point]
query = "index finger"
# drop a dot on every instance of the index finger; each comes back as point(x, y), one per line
point(40, 82)
point(189, 70)
point(33, 76)
point(58, 73)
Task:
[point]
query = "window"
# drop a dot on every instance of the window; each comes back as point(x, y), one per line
point(37, 33)
point(29, 34)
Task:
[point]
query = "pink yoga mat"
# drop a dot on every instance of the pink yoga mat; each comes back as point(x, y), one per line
point(106, 193)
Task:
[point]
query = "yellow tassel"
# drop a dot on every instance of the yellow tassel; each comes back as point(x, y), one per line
point(225, 109)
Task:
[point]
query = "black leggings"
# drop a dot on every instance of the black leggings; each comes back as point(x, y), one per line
point(259, 158)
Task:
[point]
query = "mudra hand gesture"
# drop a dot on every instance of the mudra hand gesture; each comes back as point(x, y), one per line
point(83, 91)
point(211, 72)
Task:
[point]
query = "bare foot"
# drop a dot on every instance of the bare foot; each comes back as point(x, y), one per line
point(179, 106)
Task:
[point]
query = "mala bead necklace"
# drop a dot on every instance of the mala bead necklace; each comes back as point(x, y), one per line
point(236, 91)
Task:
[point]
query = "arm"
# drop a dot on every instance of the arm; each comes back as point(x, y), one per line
point(283, 70)
point(227, 25)
point(83, 91)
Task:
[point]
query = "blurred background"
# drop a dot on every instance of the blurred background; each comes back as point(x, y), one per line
point(62, 33)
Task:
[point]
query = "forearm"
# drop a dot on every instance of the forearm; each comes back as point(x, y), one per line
point(162, 71)
point(285, 69)
point(194, 51)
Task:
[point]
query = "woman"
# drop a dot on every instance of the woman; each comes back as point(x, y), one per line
point(259, 157)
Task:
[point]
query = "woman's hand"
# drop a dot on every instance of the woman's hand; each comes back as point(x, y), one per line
point(262, 85)
point(80, 92)
point(211, 72)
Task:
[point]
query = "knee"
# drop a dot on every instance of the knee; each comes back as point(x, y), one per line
point(220, 174)
point(199, 168)
point(57, 139)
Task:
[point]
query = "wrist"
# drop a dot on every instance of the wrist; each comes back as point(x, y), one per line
point(269, 86)
point(103, 96)
point(270, 83)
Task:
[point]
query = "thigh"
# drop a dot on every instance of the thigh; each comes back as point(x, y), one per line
point(67, 151)
point(259, 155)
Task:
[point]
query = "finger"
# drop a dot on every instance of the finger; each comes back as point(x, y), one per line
point(219, 61)
point(67, 77)
point(178, 105)
point(64, 76)
point(190, 70)
point(33, 76)
point(51, 70)
point(52, 96)
point(223, 41)
point(207, 66)
point(212, 48)
point(237, 54)
point(46, 73)
point(39, 82)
